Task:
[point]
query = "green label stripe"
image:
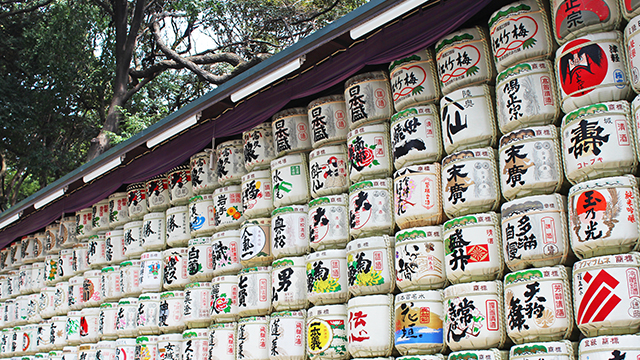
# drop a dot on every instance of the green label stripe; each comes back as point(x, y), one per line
point(509, 11)
point(454, 39)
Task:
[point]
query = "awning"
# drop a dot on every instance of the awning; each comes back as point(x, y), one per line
point(330, 57)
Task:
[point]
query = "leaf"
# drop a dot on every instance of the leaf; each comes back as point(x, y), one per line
point(376, 162)
point(227, 309)
point(472, 70)
point(372, 147)
point(528, 43)
point(417, 90)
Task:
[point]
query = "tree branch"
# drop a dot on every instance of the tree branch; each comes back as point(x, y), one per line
point(25, 10)
point(320, 13)
point(104, 6)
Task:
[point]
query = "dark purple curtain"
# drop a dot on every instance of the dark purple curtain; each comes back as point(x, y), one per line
point(393, 42)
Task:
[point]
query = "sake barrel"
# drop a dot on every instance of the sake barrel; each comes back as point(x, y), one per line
point(70, 352)
point(290, 180)
point(50, 270)
point(96, 253)
point(629, 9)
point(87, 351)
point(100, 218)
point(422, 357)
point(170, 316)
point(534, 231)
point(328, 170)
point(470, 182)
point(368, 98)
point(175, 268)
point(27, 244)
point(92, 288)
point(369, 152)
point(370, 266)
point(137, 200)
point(222, 341)
point(230, 162)
point(157, 189)
point(531, 162)
point(114, 246)
point(89, 325)
point(130, 278)
point(631, 40)
point(290, 130)
point(258, 147)
point(538, 305)
point(255, 243)
point(418, 322)
point(327, 118)
point(598, 141)
point(419, 260)
point(226, 252)
point(65, 264)
point(147, 347)
point(177, 225)
point(370, 325)
point(125, 348)
point(464, 58)
point(257, 193)
point(203, 178)
point(591, 69)
point(473, 248)
point(606, 293)
point(328, 225)
point(67, 236)
point(133, 239)
point(287, 337)
point(14, 248)
point(148, 311)
point(603, 216)
point(200, 263)
point(415, 136)
point(29, 335)
point(118, 209)
point(559, 350)
point(289, 231)
point(574, 19)
point(418, 196)
point(75, 292)
point(25, 273)
point(154, 231)
point(491, 354)
point(370, 208)
point(468, 118)
point(227, 202)
point(197, 300)
point(610, 347)
point(106, 350)
point(108, 321)
point(289, 284)
point(474, 316)
point(202, 220)
point(180, 185)
point(327, 333)
point(170, 346)
point(224, 299)
point(57, 332)
point(254, 291)
point(526, 95)
point(38, 247)
point(414, 80)
point(520, 31)
point(252, 338)
point(327, 277)
point(111, 284)
point(151, 272)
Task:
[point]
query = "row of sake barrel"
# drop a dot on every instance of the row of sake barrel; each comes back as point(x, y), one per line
point(233, 343)
point(535, 305)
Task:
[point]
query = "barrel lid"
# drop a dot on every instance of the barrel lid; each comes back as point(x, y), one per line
point(224, 278)
point(260, 127)
point(476, 354)
point(97, 237)
point(197, 285)
point(489, 218)
point(149, 297)
point(111, 305)
point(325, 100)
point(607, 261)
point(562, 347)
point(377, 300)
point(177, 209)
point(289, 314)
point(154, 215)
point(92, 273)
point(195, 333)
point(105, 344)
point(287, 160)
point(486, 153)
point(72, 348)
point(596, 110)
point(128, 301)
point(227, 189)
point(256, 222)
point(62, 284)
point(570, 46)
point(536, 133)
point(130, 263)
point(118, 195)
point(427, 295)
point(602, 343)
point(458, 37)
point(126, 342)
point(180, 168)
point(133, 224)
point(297, 111)
point(206, 153)
point(373, 242)
point(290, 209)
point(369, 129)
point(339, 199)
point(420, 56)
point(90, 311)
point(170, 337)
point(174, 251)
point(225, 326)
point(230, 143)
point(370, 184)
point(200, 241)
point(528, 275)
point(136, 186)
point(252, 319)
point(160, 177)
point(152, 255)
point(327, 254)
point(115, 232)
point(101, 202)
point(288, 262)
point(146, 339)
point(336, 309)
point(255, 269)
point(511, 10)
point(226, 233)
point(368, 76)
point(258, 174)
point(201, 197)
point(107, 269)
point(171, 294)
point(524, 69)
point(429, 169)
point(332, 150)
point(474, 288)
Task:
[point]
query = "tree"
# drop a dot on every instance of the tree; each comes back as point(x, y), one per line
point(154, 36)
